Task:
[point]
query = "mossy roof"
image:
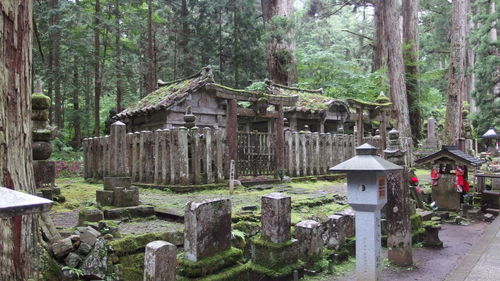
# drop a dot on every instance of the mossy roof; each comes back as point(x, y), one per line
point(309, 100)
point(168, 94)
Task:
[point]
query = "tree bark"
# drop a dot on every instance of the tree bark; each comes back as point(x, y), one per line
point(97, 68)
point(397, 84)
point(184, 54)
point(118, 59)
point(281, 63)
point(379, 58)
point(150, 77)
point(18, 238)
point(77, 139)
point(456, 73)
point(56, 38)
point(411, 53)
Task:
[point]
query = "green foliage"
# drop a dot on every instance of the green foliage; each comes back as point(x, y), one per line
point(74, 271)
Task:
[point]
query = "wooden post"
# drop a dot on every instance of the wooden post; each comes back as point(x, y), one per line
point(165, 156)
point(280, 142)
point(232, 166)
point(232, 132)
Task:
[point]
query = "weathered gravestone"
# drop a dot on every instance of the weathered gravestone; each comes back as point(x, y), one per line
point(160, 261)
point(308, 233)
point(367, 194)
point(208, 228)
point(276, 217)
point(275, 249)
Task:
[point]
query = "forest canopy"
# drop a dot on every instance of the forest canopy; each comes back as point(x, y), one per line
point(99, 56)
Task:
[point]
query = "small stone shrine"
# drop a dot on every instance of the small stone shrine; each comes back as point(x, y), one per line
point(449, 165)
point(43, 169)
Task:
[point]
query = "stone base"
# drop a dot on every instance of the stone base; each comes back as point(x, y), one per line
point(432, 236)
point(209, 265)
point(104, 197)
point(273, 256)
point(89, 215)
point(111, 182)
point(126, 196)
point(129, 212)
point(45, 173)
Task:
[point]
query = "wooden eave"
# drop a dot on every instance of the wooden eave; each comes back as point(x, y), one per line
point(458, 157)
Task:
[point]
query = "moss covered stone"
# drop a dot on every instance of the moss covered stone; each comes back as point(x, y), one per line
point(238, 272)
point(210, 264)
point(131, 268)
point(40, 101)
point(248, 227)
point(416, 221)
point(273, 255)
point(284, 270)
point(42, 135)
point(130, 244)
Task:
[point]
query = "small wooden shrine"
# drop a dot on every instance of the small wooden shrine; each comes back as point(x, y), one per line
point(449, 175)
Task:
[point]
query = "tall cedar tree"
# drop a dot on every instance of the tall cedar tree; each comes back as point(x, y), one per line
point(281, 63)
point(151, 71)
point(411, 50)
point(395, 64)
point(457, 89)
point(16, 171)
point(97, 68)
point(118, 58)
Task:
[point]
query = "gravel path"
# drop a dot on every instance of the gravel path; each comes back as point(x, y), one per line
point(434, 264)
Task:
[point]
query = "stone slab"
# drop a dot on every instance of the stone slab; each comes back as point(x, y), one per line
point(160, 261)
point(445, 194)
point(276, 217)
point(207, 228)
point(274, 255)
point(129, 212)
point(126, 196)
point(309, 234)
point(15, 203)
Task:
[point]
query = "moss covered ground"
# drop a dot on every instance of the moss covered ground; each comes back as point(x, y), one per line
point(77, 193)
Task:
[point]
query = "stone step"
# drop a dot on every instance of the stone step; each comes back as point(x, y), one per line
point(169, 214)
point(493, 211)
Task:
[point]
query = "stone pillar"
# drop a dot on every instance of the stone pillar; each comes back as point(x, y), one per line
point(293, 123)
point(276, 217)
point(207, 228)
point(280, 142)
point(232, 132)
point(160, 261)
point(432, 140)
point(309, 233)
point(119, 159)
point(398, 207)
point(360, 126)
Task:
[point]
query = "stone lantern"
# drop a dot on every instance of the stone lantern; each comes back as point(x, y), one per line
point(367, 194)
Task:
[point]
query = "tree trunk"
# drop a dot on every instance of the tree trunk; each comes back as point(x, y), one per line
point(118, 59)
point(397, 84)
point(456, 72)
point(77, 139)
point(56, 37)
point(281, 63)
point(17, 234)
point(411, 53)
point(184, 54)
point(97, 69)
point(150, 77)
point(379, 58)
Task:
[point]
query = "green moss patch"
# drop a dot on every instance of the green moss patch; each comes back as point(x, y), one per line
point(285, 270)
point(131, 244)
point(238, 272)
point(77, 192)
point(131, 267)
point(209, 265)
point(40, 101)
